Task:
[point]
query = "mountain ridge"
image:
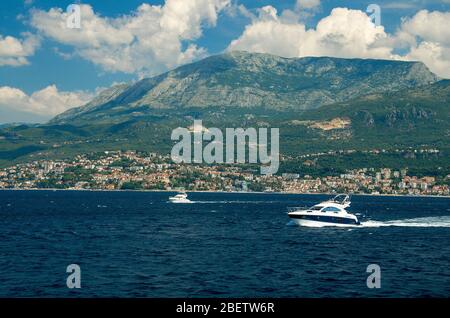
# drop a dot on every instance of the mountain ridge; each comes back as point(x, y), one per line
point(240, 79)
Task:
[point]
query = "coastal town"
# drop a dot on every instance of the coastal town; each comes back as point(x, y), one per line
point(130, 170)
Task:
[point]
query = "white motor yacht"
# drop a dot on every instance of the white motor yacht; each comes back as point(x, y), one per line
point(327, 213)
point(180, 198)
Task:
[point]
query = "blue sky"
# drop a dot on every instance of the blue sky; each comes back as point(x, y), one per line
point(38, 56)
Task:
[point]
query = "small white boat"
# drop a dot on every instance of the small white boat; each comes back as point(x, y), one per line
point(327, 213)
point(180, 198)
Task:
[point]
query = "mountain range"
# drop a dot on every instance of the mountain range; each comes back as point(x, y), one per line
point(250, 80)
point(319, 104)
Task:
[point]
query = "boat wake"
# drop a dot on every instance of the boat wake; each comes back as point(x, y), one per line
point(433, 221)
point(236, 202)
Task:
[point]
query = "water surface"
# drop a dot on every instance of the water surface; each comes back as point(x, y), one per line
point(136, 244)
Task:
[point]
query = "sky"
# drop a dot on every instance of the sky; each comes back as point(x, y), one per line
point(51, 61)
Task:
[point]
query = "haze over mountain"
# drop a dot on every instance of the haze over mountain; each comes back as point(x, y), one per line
point(319, 104)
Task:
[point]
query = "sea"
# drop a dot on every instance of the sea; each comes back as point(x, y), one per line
point(137, 244)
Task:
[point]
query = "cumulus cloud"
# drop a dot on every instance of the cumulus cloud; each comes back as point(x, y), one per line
point(427, 36)
point(429, 26)
point(14, 51)
point(351, 34)
point(434, 55)
point(46, 103)
point(147, 41)
point(344, 33)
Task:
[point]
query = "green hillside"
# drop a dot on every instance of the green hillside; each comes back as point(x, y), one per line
point(401, 107)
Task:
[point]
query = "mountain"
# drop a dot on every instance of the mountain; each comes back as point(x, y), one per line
point(104, 97)
point(240, 79)
point(319, 104)
point(418, 117)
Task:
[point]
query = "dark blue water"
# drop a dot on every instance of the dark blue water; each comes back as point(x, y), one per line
point(136, 244)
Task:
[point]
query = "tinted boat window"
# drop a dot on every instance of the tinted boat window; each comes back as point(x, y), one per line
point(331, 209)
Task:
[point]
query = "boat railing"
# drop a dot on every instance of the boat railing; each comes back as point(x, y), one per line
point(341, 199)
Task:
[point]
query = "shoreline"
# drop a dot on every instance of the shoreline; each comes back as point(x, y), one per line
point(234, 192)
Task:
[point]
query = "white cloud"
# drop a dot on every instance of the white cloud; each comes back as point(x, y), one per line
point(351, 34)
point(150, 40)
point(427, 35)
point(14, 51)
point(429, 26)
point(46, 103)
point(344, 33)
point(434, 55)
point(268, 34)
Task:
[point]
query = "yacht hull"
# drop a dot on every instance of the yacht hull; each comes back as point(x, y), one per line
point(309, 223)
point(320, 221)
